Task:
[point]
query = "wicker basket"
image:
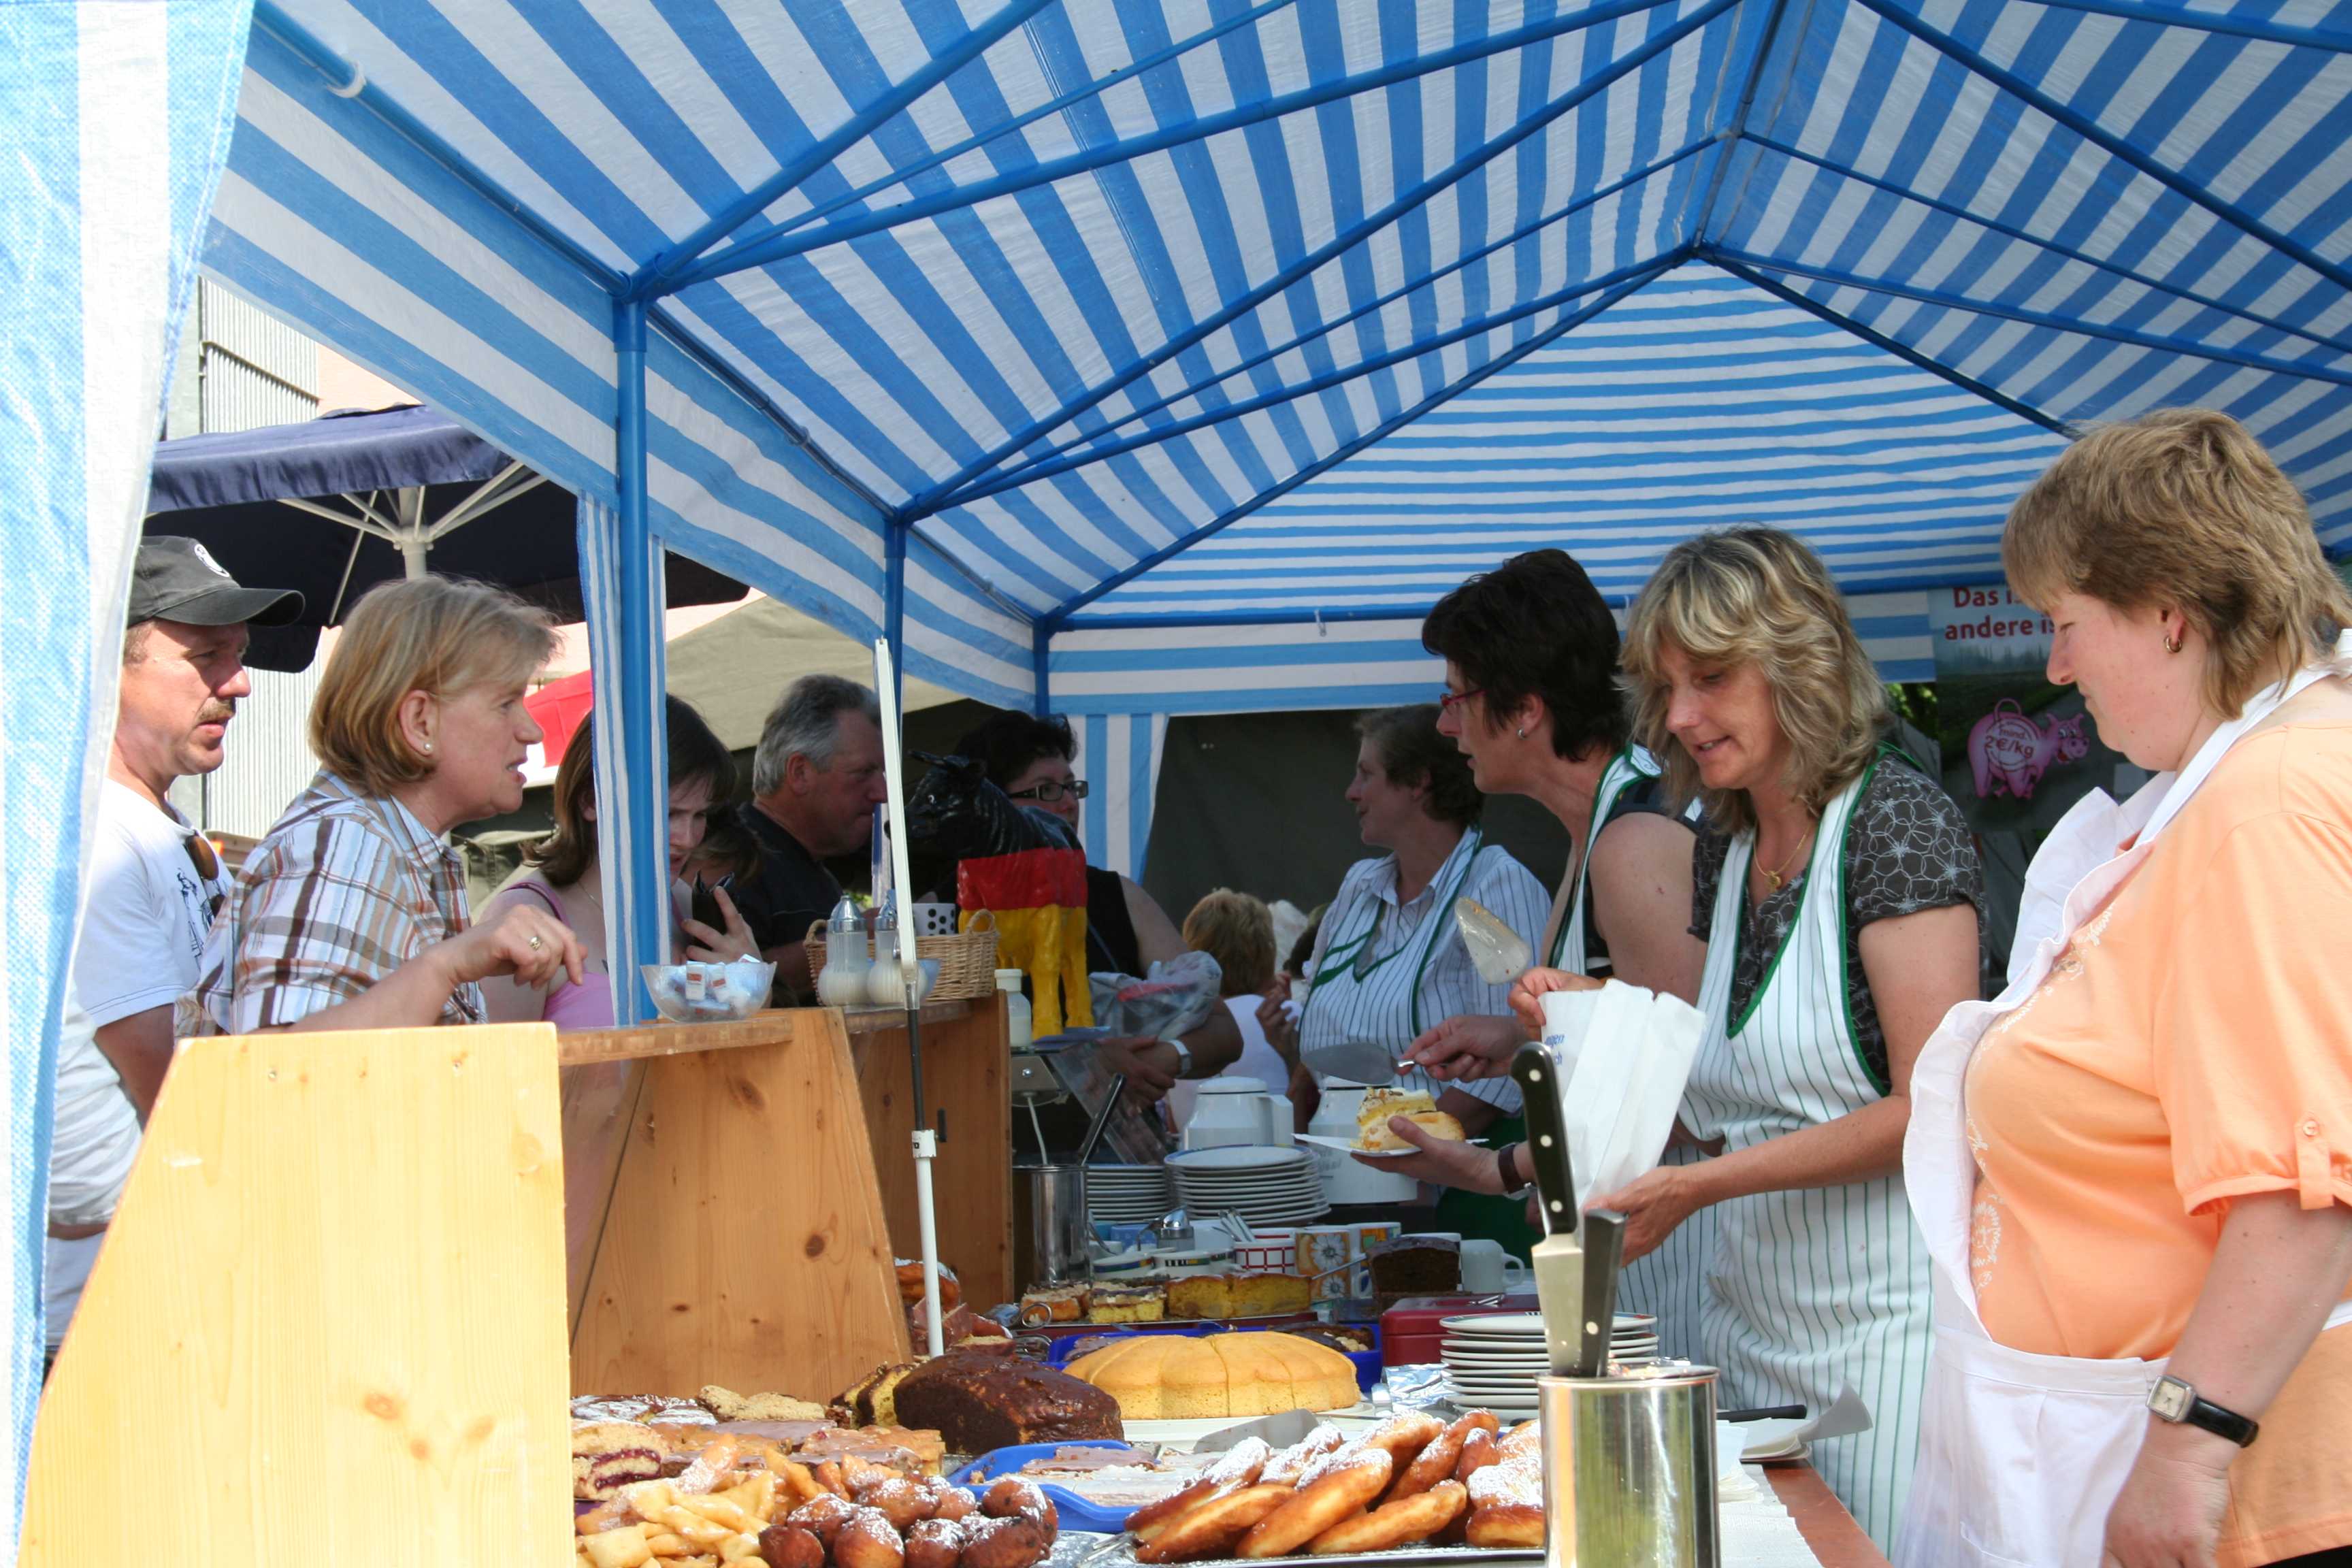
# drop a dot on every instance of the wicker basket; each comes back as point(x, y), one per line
point(967, 960)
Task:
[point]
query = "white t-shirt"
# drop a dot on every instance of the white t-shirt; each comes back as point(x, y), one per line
point(142, 933)
point(1259, 1059)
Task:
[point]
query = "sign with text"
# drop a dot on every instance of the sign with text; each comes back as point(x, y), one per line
point(2017, 752)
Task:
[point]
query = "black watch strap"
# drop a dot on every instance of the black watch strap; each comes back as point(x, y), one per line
point(2222, 1423)
point(2174, 1400)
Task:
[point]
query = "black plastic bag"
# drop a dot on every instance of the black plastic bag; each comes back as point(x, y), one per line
point(956, 815)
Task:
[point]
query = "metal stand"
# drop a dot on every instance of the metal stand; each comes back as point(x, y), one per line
point(910, 978)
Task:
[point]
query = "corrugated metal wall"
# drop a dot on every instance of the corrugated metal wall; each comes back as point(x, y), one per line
point(251, 370)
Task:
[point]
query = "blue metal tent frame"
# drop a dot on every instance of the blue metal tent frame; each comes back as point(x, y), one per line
point(1744, 161)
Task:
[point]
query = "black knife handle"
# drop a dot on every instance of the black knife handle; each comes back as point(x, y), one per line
point(1547, 1138)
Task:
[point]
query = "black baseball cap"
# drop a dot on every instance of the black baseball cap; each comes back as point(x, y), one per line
point(176, 579)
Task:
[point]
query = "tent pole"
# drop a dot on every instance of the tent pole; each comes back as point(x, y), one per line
point(1041, 650)
point(894, 605)
point(648, 885)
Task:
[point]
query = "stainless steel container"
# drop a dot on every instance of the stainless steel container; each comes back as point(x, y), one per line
point(1049, 1224)
point(1628, 1469)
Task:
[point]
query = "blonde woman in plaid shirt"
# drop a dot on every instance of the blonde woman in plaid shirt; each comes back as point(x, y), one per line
point(352, 913)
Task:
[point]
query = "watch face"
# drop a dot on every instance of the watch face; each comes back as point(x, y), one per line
point(2169, 1398)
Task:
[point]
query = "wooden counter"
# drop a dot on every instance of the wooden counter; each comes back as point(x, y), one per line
point(1831, 1531)
point(966, 1054)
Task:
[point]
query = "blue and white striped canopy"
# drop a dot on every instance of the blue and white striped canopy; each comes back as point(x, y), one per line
point(1155, 355)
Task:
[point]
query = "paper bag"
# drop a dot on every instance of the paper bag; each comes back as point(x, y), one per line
point(1625, 1057)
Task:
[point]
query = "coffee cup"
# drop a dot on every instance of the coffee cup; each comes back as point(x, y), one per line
point(1488, 1270)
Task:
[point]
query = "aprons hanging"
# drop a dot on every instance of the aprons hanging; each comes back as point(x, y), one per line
point(1669, 1283)
point(1358, 998)
point(2022, 1455)
point(1813, 1288)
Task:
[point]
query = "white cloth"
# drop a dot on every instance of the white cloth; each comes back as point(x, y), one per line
point(1259, 1059)
point(1818, 1288)
point(65, 1270)
point(143, 925)
point(1385, 971)
point(2022, 1455)
point(141, 934)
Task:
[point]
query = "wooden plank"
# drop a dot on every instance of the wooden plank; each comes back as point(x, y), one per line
point(600, 1103)
point(965, 1060)
point(582, 1046)
point(744, 1243)
point(1828, 1529)
point(328, 1323)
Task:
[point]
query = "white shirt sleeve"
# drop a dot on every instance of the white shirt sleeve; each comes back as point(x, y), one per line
point(131, 952)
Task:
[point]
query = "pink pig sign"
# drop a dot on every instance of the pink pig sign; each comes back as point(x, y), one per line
point(2016, 753)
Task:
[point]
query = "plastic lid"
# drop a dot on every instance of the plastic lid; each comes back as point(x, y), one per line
point(1010, 979)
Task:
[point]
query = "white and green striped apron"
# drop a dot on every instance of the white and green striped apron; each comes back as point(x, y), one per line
point(1670, 1283)
point(1817, 1287)
point(1358, 997)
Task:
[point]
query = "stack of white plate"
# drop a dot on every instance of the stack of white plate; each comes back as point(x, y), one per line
point(1128, 1195)
point(1265, 1186)
point(1494, 1360)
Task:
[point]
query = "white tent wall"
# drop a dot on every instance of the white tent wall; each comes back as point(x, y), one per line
point(122, 111)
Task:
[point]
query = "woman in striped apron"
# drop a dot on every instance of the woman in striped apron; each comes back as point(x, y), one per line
point(1389, 960)
point(1840, 896)
point(1530, 652)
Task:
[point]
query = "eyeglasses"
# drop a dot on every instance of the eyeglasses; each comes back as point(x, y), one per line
point(202, 855)
point(1447, 702)
point(1051, 790)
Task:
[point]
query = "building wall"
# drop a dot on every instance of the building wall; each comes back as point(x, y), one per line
point(240, 369)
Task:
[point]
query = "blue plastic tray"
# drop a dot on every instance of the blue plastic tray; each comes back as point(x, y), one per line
point(1064, 1351)
point(1076, 1513)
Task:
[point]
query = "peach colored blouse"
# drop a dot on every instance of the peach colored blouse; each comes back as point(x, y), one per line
point(2193, 1045)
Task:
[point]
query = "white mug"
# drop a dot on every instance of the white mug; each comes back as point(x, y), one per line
point(1488, 1270)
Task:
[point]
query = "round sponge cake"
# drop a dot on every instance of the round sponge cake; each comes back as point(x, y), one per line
point(1167, 1377)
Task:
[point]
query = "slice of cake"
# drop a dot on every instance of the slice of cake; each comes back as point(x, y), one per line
point(609, 1455)
point(1372, 1131)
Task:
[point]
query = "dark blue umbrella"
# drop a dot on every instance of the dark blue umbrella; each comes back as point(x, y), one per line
point(335, 505)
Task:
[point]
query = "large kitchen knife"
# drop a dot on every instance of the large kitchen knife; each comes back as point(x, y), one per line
point(1558, 1260)
point(1604, 1252)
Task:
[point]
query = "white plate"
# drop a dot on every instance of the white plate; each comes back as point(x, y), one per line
point(1528, 1325)
point(1239, 1157)
point(1346, 1146)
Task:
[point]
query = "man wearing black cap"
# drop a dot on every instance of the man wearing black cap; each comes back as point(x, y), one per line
point(154, 882)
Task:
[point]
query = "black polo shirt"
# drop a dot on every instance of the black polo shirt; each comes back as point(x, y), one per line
point(792, 890)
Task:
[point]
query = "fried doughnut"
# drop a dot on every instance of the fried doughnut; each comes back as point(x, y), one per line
point(1239, 1467)
point(1210, 1527)
point(822, 1517)
point(1403, 1435)
point(1477, 1453)
point(1013, 1498)
point(1291, 1463)
point(829, 1476)
point(790, 1546)
point(867, 1539)
point(903, 1502)
point(1403, 1522)
point(1434, 1464)
point(1340, 1484)
point(1003, 1542)
point(1506, 1524)
point(954, 1502)
point(1506, 1499)
point(932, 1544)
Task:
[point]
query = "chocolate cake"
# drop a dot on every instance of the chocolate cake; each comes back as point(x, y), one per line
point(979, 1402)
point(1414, 1266)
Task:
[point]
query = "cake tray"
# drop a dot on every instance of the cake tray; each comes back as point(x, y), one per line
point(1079, 1549)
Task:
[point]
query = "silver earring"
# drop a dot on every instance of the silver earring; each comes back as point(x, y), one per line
point(1523, 732)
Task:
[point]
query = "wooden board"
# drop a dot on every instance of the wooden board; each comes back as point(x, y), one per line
point(328, 1323)
point(743, 1243)
point(965, 1059)
point(1829, 1529)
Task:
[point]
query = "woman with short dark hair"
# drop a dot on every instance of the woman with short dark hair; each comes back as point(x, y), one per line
point(1390, 962)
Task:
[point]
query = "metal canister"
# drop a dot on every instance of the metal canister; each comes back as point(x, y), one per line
point(1049, 1224)
point(1628, 1469)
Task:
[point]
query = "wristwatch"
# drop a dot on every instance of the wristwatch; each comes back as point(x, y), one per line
point(1183, 1055)
point(2173, 1401)
point(1507, 1166)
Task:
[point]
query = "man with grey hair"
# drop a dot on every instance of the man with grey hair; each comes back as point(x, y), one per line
point(815, 781)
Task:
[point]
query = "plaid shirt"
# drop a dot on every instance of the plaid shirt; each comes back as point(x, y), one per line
point(346, 889)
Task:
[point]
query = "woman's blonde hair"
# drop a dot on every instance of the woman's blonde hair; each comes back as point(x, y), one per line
point(437, 635)
point(1238, 930)
point(2183, 507)
point(1760, 597)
